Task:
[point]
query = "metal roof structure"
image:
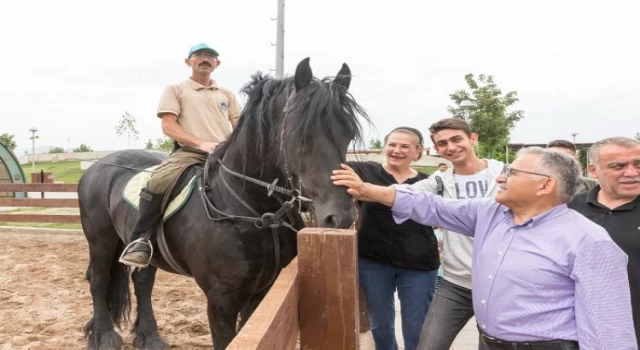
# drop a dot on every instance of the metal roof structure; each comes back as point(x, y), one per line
point(10, 171)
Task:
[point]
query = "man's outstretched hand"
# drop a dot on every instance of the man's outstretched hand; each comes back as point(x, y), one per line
point(360, 190)
point(348, 178)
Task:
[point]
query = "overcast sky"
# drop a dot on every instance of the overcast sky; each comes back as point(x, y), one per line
point(72, 68)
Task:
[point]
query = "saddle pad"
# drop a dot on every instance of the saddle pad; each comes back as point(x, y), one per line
point(131, 192)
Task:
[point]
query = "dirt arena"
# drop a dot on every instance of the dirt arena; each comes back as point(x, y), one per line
point(45, 300)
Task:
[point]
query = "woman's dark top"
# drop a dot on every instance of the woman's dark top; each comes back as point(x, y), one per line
point(407, 245)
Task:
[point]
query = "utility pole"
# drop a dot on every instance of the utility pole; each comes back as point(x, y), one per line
point(68, 141)
point(33, 148)
point(280, 41)
point(574, 134)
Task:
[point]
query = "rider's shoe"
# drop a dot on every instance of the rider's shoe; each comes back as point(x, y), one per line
point(138, 253)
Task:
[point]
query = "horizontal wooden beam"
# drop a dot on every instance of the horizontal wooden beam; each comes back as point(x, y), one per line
point(47, 218)
point(39, 202)
point(274, 324)
point(38, 187)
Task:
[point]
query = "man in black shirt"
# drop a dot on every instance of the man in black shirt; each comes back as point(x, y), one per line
point(615, 204)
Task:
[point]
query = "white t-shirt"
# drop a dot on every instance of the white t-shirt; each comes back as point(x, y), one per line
point(471, 186)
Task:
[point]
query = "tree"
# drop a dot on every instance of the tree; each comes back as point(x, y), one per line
point(7, 140)
point(56, 150)
point(83, 148)
point(127, 125)
point(500, 154)
point(375, 144)
point(637, 136)
point(149, 145)
point(583, 159)
point(487, 115)
point(164, 144)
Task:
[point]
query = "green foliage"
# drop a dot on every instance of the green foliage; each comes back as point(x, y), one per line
point(7, 140)
point(488, 115)
point(375, 144)
point(426, 169)
point(83, 148)
point(164, 144)
point(127, 125)
point(583, 159)
point(56, 150)
point(149, 145)
point(637, 137)
point(500, 155)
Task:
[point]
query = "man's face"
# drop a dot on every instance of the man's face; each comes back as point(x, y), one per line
point(442, 167)
point(522, 183)
point(202, 62)
point(618, 170)
point(454, 145)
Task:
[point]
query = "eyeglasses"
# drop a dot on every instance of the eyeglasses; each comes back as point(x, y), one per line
point(508, 172)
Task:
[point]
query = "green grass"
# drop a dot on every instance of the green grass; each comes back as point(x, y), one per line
point(63, 171)
point(426, 169)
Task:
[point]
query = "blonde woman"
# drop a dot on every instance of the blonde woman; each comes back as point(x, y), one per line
point(394, 257)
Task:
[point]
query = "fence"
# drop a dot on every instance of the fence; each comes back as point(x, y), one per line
point(314, 300)
point(39, 203)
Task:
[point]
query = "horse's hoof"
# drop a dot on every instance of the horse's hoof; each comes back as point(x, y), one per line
point(152, 342)
point(107, 341)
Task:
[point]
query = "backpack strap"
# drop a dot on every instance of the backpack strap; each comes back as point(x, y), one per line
point(439, 185)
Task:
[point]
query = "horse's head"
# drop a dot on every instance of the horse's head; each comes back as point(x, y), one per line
point(319, 121)
point(299, 128)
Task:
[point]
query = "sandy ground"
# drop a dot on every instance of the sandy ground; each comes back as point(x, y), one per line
point(45, 300)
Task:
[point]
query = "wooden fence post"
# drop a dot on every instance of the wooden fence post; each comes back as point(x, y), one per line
point(328, 275)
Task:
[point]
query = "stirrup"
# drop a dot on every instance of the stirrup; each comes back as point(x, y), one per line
point(129, 263)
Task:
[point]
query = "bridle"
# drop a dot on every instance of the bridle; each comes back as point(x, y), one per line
point(272, 220)
point(283, 217)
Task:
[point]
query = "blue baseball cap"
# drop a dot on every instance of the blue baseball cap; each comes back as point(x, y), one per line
point(201, 46)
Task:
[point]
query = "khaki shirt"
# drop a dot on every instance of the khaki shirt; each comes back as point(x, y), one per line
point(203, 111)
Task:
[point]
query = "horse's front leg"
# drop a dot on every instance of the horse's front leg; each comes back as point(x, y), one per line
point(250, 307)
point(223, 306)
point(145, 328)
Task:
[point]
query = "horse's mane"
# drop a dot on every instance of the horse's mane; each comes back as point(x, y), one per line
point(338, 108)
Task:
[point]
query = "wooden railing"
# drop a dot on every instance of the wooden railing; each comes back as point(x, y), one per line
point(314, 300)
point(39, 203)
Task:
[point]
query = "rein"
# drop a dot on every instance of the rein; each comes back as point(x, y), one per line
point(274, 221)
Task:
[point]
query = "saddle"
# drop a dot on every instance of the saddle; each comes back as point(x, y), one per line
point(176, 196)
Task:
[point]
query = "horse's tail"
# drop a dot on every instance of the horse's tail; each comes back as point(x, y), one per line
point(118, 295)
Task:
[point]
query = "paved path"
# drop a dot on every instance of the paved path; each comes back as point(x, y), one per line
point(467, 339)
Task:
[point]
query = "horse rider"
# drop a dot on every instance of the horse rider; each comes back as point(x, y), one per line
point(198, 114)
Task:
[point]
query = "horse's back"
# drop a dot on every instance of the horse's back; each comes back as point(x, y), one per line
point(100, 187)
point(113, 167)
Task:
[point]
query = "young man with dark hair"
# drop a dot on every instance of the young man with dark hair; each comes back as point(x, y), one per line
point(470, 177)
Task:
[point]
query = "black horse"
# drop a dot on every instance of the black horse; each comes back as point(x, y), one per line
point(295, 130)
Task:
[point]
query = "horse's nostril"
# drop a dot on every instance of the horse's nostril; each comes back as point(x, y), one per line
point(330, 221)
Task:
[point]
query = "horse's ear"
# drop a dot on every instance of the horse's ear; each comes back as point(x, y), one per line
point(303, 74)
point(344, 76)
